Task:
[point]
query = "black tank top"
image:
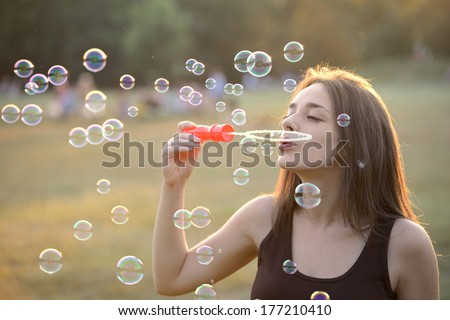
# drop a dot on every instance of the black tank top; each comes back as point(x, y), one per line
point(368, 278)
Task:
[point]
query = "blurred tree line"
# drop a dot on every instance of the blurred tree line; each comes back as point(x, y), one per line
point(153, 38)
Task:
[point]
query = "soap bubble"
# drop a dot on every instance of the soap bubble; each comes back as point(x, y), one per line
point(10, 113)
point(210, 83)
point(290, 267)
point(237, 89)
point(240, 60)
point(50, 261)
point(127, 82)
point(228, 88)
point(241, 176)
point(289, 85)
point(195, 98)
point(113, 129)
point(198, 68)
point(205, 292)
point(239, 117)
point(248, 145)
point(190, 64)
point(204, 255)
point(78, 137)
point(185, 92)
point(95, 101)
point(119, 215)
point(259, 64)
point(161, 85)
point(130, 270)
point(95, 134)
point(267, 149)
point(220, 106)
point(343, 120)
point(293, 51)
point(41, 81)
point(361, 163)
point(320, 295)
point(30, 88)
point(57, 75)
point(201, 217)
point(182, 219)
point(31, 115)
point(82, 230)
point(103, 186)
point(94, 60)
point(133, 111)
point(23, 68)
point(307, 195)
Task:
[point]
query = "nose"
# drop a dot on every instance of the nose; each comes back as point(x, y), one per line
point(287, 124)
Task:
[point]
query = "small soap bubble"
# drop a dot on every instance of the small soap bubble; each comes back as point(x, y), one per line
point(95, 134)
point(259, 64)
point(182, 219)
point(119, 215)
point(228, 88)
point(130, 270)
point(361, 164)
point(205, 292)
point(57, 75)
point(78, 137)
point(307, 195)
point(95, 101)
point(267, 149)
point(198, 68)
point(23, 68)
point(31, 115)
point(239, 117)
point(133, 111)
point(41, 82)
point(219, 251)
point(195, 98)
point(94, 60)
point(190, 64)
point(82, 230)
point(248, 145)
point(221, 106)
point(210, 83)
point(10, 113)
point(30, 88)
point(237, 89)
point(204, 255)
point(113, 129)
point(241, 176)
point(161, 85)
point(343, 120)
point(185, 92)
point(127, 82)
point(103, 186)
point(289, 85)
point(293, 51)
point(290, 267)
point(320, 295)
point(50, 261)
point(240, 60)
point(201, 217)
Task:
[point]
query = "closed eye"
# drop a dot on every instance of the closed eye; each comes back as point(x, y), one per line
point(313, 118)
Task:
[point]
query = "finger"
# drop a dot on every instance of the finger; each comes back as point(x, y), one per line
point(185, 125)
point(185, 136)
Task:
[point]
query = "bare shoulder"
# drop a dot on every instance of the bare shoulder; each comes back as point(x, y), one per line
point(412, 261)
point(256, 217)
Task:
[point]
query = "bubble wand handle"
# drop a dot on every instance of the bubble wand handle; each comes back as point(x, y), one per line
point(215, 132)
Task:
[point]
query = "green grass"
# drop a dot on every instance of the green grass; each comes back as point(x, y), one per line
point(47, 185)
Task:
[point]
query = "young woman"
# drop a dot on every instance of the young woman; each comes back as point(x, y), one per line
point(362, 241)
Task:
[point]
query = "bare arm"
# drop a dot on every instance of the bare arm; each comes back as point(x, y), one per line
point(175, 266)
point(415, 260)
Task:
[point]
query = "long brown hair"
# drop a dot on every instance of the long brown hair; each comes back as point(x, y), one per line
point(373, 187)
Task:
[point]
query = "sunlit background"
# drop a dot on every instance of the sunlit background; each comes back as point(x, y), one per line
point(47, 185)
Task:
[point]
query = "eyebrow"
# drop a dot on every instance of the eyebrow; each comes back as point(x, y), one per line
point(308, 105)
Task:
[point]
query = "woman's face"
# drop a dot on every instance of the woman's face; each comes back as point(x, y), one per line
point(311, 112)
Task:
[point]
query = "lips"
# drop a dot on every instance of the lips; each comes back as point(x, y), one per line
point(286, 145)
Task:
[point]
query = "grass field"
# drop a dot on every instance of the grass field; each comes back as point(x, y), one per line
point(46, 185)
